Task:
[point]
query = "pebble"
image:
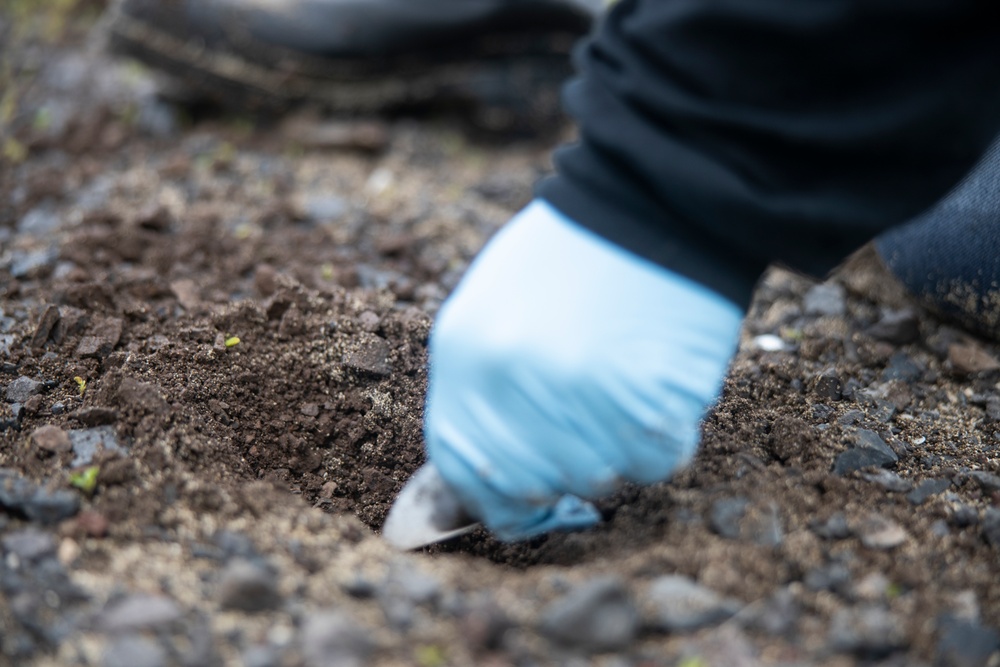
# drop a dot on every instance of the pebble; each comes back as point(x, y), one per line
point(22, 497)
point(324, 208)
point(134, 651)
point(47, 321)
point(32, 264)
point(598, 615)
point(896, 326)
point(870, 631)
point(39, 221)
point(991, 526)
point(369, 354)
point(23, 388)
point(928, 488)
point(825, 299)
point(137, 612)
point(101, 339)
point(768, 343)
point(987, 481)
point(965, 643)
point(682, 605)
point(29, 544)
point(261, 656)
point(902, 367)
point(332, 639)
point(830, 577)
point(726, 516)
point(834, 528)
point(246, 586)
point(870, 451)
point(89, 442)
point(775, 616)
point(969, 358)
point(52, 439)
point(878, 532)
point(889, 481)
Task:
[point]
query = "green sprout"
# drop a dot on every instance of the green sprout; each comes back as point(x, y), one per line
point(232, 341)
point(429, 656)
point(85, 480)
point(692, 661)
point(81, 384)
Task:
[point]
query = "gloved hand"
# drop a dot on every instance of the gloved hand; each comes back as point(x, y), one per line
point(564, 365)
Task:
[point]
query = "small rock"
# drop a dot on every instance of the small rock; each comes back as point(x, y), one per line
point(889, 481)
point(33, 264)
point(965, 643)
point(834, 528)
point(40, 222)
point(828, 386)
point(48, 320)
point(596, 616)
point(775, 616)
point(248, 587)
point(896, 326)
point(137, 612)
point(261, 656)
point(868, 631)
point(323, 208)
point(29, 544)
point(51, 439)
point(49, 507)
point(991, 526)
point(369, 354)
point(878, 532)
point(851, 417)
point(96, 416)
point(872, 587)
point(963, 516)
point(134, 651)
point(928, 488)
point(187, 292)
point(726, 516)
point(830, 577)
point(871, 451)
point(969, 358)
point(22, 389)
point(332, 639)
point(92, 524)
point(101, 339)
point(901, 367)
point(987, 481)
point(88, 443)
point(681, 605)
point(769, 343)
point(825, 299)
point(411, 583)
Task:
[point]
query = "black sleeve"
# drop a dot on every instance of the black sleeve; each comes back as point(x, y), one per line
point(720, 136)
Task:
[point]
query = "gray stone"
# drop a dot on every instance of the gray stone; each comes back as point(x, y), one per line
point(869, 631)
point(369, 354)
point(134, 651)
point(828, 385)
point(965, 643)
point(902, 367)
point(324, 208)
point(987, 481)
point(991, 526)
point(851, 417)
point(727, 515)
point(261, 656)
point(830, 577)
point(49, 507)
point(870, 451)
point(896, 326)
point(598, 615)
point(681, 605)
point(775, 616)
point(137, 612)
point(23, 388)
point(834, 528)
point(29, 544)
point(332, 639)
point(928, 488)
point(246, 586)
point(89, 442)
point(408, 581)
point(879, 532)
point(33, 264)
point(39, 221)
point(889, 481)
point(825, 299)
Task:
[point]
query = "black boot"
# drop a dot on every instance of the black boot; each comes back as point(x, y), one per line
point(949, 258)
point(358, 55)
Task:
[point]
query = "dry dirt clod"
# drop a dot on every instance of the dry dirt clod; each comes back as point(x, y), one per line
point(51, 439)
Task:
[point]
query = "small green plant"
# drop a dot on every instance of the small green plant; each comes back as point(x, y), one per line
point(430, 656)
point(232, 341)
point(81, 384)
point(85, 480)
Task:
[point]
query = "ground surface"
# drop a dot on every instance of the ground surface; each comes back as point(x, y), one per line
point(240, 486)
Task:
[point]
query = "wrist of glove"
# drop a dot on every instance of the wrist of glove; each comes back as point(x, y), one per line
point(563, 366)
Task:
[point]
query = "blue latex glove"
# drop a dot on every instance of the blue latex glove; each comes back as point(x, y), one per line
point(564, 365)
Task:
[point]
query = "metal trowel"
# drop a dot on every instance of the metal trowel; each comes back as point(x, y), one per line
point(426, 511)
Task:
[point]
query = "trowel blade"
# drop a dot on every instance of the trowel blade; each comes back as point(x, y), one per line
point(426, 511)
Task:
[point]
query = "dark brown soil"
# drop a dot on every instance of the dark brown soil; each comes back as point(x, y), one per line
point(169, 242)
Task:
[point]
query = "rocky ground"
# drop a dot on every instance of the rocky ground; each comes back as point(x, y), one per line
point(212, 338)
